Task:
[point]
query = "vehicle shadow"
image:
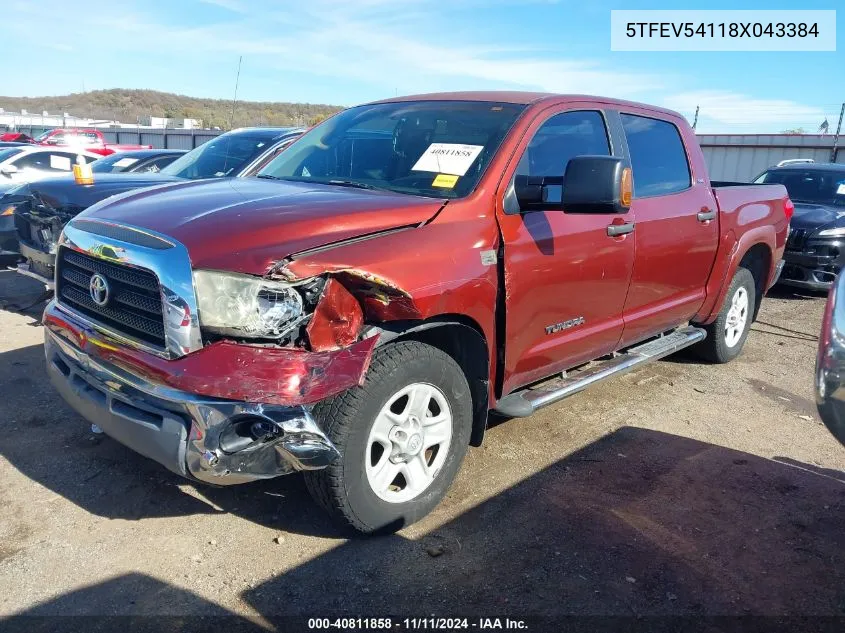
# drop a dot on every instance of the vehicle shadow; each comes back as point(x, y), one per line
point(50, 443)
point(781, 291)
point(105, 607)
point(639, 523)
point(22, 294)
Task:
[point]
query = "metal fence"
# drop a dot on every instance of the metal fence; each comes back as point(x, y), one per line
point(736, 157)
point(176, 138)
point(741, 157)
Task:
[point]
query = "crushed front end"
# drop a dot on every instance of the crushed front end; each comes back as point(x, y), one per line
point(38, 225)
point(225, 404)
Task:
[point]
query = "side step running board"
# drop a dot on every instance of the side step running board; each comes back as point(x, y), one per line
point(523, 403)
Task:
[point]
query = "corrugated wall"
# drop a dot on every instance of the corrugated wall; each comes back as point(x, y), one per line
point(741, 157)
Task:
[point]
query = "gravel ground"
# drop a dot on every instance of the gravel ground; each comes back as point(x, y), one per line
point(682, 488)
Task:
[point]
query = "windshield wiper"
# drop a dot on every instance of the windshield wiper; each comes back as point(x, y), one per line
point(353, 183)
point(267, 177)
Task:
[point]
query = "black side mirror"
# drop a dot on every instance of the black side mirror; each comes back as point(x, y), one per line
point(597, 184)
point(537, 193)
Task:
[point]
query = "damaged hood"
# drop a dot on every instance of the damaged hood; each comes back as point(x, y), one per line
point(247, 225)
point(812, 217)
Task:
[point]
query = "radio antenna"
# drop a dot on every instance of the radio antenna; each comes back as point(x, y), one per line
point(235, 97)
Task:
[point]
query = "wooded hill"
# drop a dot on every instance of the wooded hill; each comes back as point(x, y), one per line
point(127, 106)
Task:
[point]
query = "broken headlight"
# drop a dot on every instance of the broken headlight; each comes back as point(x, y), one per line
point(245, 306)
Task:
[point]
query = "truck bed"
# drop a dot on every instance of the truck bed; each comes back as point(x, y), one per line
point(735, 196)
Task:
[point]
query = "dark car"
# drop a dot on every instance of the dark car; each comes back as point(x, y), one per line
point(137, 161)
point(42, 209)
point(830, 362)
point(815, 250)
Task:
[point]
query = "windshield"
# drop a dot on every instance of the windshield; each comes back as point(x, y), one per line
point(8, 153)
point(112, 164)
point(427, 148)
point(43, 136)
point(223, 156)
point(819, 186)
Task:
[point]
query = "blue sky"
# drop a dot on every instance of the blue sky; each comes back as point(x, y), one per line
point(347, 52)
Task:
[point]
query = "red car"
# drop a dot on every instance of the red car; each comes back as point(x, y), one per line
point(89, 140)
point(16, 137)
point(403, 269)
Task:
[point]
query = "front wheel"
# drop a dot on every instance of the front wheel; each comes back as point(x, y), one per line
point(402, 436)
point(726, 335)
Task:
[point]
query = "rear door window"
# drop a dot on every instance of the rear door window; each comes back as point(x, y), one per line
point(658, 158)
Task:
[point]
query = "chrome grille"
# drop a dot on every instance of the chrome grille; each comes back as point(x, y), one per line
point(134, 303)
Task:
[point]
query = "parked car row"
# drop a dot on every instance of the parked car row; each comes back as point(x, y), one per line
point(35, 213)
point(359, 307)
point(26, 163)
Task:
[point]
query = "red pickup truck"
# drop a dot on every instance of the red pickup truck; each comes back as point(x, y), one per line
point(358, 309)
point(89, 140)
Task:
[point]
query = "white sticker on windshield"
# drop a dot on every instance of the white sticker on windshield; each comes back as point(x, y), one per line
point(841, 190)
point(448, 158)
point(125, 162)
point(60, 162)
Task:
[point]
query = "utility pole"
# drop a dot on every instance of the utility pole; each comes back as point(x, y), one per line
point(235, 98)
point(695, 120)
point(835, 148)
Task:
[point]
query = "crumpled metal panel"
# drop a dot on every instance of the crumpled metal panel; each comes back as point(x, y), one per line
point(337, 319)
point(250, 373)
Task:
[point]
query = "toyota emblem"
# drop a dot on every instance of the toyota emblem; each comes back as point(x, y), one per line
point(98, 288)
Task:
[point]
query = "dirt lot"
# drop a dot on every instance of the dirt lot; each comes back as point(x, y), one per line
point(682, 488)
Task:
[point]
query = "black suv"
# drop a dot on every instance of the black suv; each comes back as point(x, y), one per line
point(815, 248)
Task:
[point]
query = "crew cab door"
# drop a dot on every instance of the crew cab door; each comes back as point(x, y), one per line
point(677, 229)
point(565, 278)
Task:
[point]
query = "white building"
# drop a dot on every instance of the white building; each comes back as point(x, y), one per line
point(162, 122)
point(14, 121)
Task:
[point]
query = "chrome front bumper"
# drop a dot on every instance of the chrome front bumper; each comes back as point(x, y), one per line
point(185, 432)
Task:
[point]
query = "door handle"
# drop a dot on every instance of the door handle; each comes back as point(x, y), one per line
point(614, 230)
point(707, 215)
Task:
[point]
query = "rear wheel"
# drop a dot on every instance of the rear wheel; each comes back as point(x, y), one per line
point(402, 436)
point(727, 334)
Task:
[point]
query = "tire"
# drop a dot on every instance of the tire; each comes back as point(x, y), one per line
point(352, 489)
point(724, 342)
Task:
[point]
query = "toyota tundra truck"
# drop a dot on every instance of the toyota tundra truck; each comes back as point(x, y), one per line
point(360, 308)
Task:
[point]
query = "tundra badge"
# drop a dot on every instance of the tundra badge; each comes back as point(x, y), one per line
point(564, 325)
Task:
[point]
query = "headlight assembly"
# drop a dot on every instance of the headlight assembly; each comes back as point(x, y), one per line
point(245, 306)
point(837, 232)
